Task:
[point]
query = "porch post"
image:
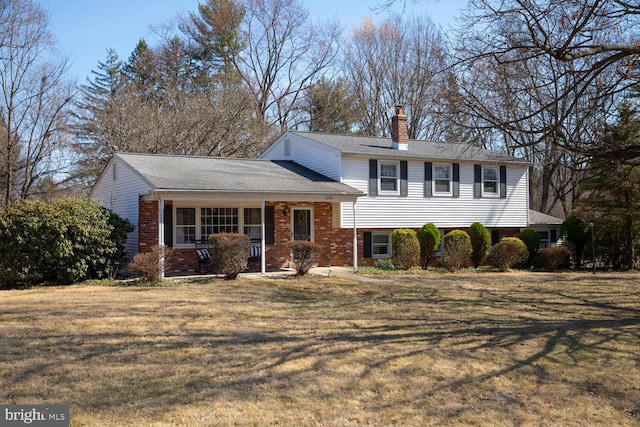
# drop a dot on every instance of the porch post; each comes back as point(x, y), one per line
point(161, 235)
point(355, 239)
point(263, 245)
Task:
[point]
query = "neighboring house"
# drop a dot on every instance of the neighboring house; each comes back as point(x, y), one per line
point(346, 193)
point(547, 226)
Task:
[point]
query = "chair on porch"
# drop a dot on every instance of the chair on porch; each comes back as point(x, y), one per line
point(254, 249)
point(203, 254)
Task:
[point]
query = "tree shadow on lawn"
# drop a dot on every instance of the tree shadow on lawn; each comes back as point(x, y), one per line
point(285, 352)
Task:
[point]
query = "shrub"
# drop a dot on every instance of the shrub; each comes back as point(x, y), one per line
point(429, 238)
point(555, 257)
point(509, 252)
point(405, 249)
point(304, 255)
point(531, 239)
point(147, 265)
point(229, 254)
point(575, 231)
point(384, 264)
point(480, 243)
point(60, 242)
point(120, 229)
point(456, 249)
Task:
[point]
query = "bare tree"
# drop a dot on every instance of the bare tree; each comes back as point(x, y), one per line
point(34, 99)
point(285, 53)
point(400, 61)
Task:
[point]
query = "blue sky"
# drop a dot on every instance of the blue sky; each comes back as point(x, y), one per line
point(85, 29)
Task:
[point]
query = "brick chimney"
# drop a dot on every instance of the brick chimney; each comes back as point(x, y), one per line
point(399, 131)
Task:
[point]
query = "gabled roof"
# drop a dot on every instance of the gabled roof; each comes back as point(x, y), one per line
point(232, 175)
point(365, 145)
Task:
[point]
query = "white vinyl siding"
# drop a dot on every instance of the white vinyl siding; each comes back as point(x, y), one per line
point(121, 198)
point(415, 210)
point(306, 152)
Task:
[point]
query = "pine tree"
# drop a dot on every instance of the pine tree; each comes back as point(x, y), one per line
point(612, 192)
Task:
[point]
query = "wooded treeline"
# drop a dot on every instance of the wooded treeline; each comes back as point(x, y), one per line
point(545, 80)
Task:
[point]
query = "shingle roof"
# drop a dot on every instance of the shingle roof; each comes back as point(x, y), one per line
point(536, 217)
point(364, 145)
point(233, 175)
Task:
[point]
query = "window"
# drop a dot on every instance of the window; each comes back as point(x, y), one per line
point(252, 221)
point(194, 223)
point(185, 225)
point(389, 177)
point(442, 179)
point(380, 245)
point(490, 181)
point(302, 224)
point(544, 239)
point(218, 220)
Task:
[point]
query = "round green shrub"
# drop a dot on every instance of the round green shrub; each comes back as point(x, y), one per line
point(531, 239)
point(405, 249)
point(456, 249)
point(480, 243)
point(429, 238)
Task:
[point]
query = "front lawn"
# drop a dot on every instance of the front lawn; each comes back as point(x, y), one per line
point(439, 349)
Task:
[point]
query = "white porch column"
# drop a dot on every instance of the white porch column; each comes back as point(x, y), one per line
point(355, 239)
point(263, 245)
point(161, 235)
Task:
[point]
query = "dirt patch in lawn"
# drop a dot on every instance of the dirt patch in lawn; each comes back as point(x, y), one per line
point(438, 349)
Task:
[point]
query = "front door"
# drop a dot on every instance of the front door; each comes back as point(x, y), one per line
point(302, 228)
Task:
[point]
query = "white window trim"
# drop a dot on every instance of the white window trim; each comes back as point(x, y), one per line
point(382, 192)
point(312, 219)
point(379, 256)
point(199, 220)
point(547, 239)
point(433, 179)
point(489, 193)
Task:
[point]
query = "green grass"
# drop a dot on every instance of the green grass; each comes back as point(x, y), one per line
point(439, 349)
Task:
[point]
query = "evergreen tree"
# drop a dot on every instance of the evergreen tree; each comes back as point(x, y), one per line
point(612, 192)
point(331, 107)
point(97, 138)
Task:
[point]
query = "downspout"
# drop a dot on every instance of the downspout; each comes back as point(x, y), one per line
point(161, 235)
point(263, 245)
point(355, 239)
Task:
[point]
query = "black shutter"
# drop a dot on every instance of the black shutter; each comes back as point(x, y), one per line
point(554, 236)
point(503, 182)
point(428, 178)
point(367, 244)
point(168, 225)
point(373, 177)
point(269, 225)
point(404, 191)
point(477, 181)
point(456, 180)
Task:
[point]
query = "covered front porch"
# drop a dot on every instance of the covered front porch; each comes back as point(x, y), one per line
point(181, 220)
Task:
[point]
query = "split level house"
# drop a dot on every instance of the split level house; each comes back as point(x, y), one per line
point(345, 193)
